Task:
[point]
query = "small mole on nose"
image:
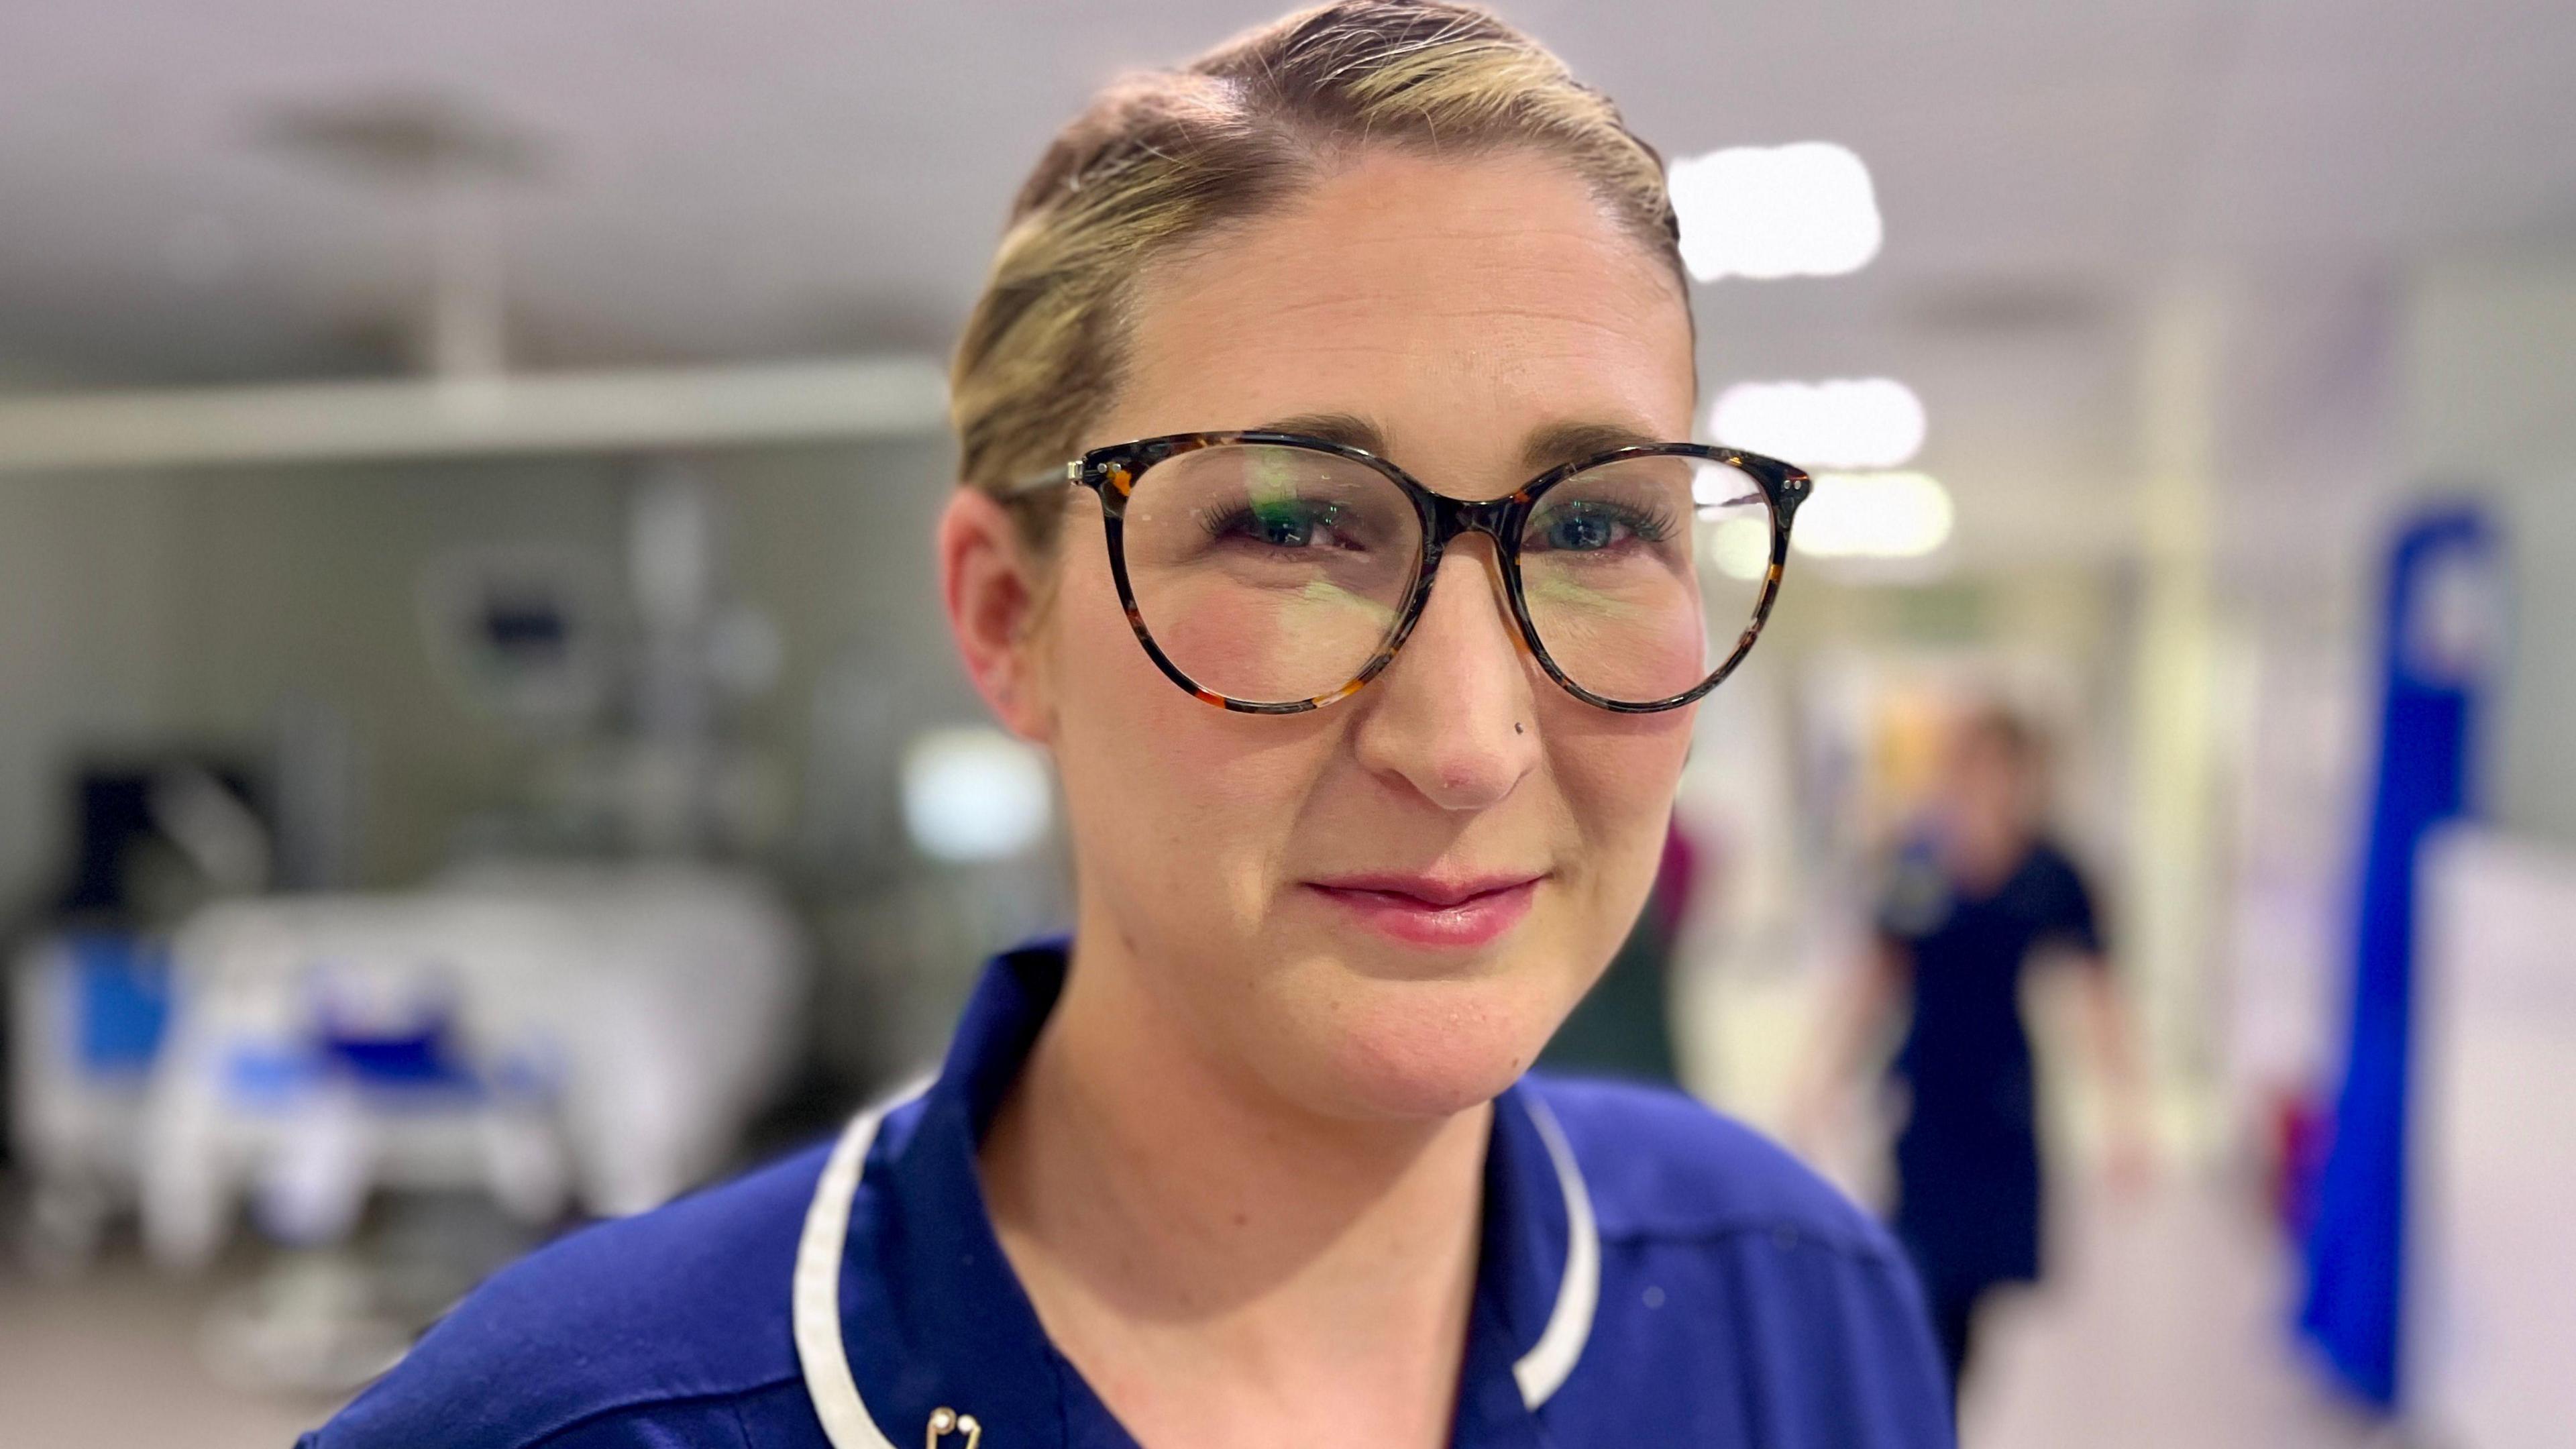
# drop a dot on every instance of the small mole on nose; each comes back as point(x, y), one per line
point(1516, 727)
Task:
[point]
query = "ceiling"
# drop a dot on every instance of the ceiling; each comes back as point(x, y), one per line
point(789, 177)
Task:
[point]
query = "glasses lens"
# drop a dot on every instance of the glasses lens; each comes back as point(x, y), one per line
point(1269, 574)
point(1642, 574)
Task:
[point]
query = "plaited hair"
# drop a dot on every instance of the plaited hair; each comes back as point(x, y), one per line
point(1162, 158)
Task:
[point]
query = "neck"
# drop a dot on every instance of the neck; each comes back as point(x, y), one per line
point(1212, 1257)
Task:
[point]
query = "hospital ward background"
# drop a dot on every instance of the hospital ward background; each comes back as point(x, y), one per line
point(479, 752)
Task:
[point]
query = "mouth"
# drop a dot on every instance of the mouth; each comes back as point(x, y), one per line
point(1432, 911)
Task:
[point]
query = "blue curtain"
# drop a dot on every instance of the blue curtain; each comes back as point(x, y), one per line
point(2440, 630)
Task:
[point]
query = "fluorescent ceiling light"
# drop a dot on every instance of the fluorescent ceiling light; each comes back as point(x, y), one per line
point(1874, 515)
point(1806, 210)
point(1871, 422)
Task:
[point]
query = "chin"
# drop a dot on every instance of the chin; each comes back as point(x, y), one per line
point(1427, 1049)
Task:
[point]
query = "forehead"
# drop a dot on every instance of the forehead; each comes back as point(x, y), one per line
point(1980, 745)
point(1450, 300)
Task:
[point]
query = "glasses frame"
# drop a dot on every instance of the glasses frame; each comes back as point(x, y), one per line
point(1114, 472)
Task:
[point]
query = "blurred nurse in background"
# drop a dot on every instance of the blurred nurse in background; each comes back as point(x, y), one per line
point(1974, 895)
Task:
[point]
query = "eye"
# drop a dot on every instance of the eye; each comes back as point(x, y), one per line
point(1590, 526)
point(1580, 529)
point(1291, 524)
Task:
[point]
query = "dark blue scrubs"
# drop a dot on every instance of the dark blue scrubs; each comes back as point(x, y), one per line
point(1967, 1158)
point(1651, 1275)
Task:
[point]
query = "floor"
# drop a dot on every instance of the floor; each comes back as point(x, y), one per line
point(112, 1359)
point(2161, 1325)
point(2161, 1328)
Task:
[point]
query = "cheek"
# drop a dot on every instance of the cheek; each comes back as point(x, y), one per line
point(1174, 805)
point(1619, 783)
point(1628, 633)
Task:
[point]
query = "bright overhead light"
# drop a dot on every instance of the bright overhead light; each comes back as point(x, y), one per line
point(1740, 548)
point(1873, 515)
point(1871, 422)
point(1805, 210)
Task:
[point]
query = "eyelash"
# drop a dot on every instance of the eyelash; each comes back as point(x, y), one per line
point(1230, 521)
point(1649, 525)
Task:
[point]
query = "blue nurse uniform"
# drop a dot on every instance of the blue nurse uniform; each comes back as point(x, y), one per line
point(1967, 1157)
point(1651, 1274)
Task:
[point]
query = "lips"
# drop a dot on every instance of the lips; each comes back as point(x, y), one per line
point(1432, 911)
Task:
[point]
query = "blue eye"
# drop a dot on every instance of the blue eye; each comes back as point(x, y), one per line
point(1581, 530)
point(1593, 525)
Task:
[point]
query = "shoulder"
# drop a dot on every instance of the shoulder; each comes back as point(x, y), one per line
point(2055, 887)
point(2053, 865)
point(1737, 1286)
point(686, 1304)
point(1658, 1164)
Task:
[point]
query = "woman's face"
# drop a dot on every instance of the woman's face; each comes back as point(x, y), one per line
point(1986, 801)
point(1386, 906)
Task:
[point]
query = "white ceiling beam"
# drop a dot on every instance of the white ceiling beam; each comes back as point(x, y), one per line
point(571, 412)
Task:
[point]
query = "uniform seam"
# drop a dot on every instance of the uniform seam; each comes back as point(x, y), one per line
point(730, 1398)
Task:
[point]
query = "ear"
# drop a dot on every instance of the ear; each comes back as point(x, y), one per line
point(994, 592)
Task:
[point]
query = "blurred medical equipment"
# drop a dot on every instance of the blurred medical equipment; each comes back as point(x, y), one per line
point(524, 633)
point(87, 1013)
point(537, 1034)
point(635, 691)
point(539, 1038)
point(155, 836)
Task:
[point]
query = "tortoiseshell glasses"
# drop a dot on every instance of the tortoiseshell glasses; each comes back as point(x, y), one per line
point(1275, 573)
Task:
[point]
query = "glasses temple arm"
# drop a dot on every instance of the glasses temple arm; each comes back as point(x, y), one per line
point(1068, 475)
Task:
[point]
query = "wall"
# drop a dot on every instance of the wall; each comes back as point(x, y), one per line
point(206, 607)
point(85, 647)
point(2489, 353)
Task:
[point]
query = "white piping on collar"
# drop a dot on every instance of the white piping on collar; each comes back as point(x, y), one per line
point(825, 1359)
point(817, 1296)
point(1542, 1370)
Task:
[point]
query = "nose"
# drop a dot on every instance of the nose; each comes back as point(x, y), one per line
point(1452, 717)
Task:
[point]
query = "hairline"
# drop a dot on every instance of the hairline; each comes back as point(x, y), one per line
point(1316, 165)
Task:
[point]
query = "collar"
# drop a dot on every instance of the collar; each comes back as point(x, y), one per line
point(901, 1287)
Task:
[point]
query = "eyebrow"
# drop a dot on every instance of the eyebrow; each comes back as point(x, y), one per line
point(1546, 447)
point(1561, 443)
point(1348, 429)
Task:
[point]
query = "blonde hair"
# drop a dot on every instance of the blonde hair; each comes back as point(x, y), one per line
point(1161, 159)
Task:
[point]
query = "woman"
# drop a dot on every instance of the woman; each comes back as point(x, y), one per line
point(1977, 896)
point(1249, 1162)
